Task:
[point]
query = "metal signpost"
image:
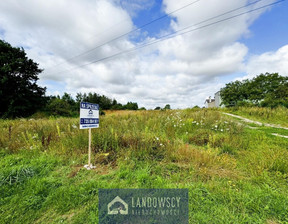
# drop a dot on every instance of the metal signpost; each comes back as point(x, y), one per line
point(89, 118)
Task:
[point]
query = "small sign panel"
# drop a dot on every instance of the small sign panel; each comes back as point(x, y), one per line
point(89, 115)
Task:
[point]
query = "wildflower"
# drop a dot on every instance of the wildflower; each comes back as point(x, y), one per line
point(161, 144)
point(157, 138)
point(74, 126)
point(197, 123)
point(216, 126)
point(221, 129)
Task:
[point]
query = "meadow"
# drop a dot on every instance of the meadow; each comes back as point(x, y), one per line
point(263, 114)
point(235, 172)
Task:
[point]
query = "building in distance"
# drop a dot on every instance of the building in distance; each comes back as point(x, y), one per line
point(216, 102)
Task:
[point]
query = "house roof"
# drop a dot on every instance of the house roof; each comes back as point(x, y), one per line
point(208, 100)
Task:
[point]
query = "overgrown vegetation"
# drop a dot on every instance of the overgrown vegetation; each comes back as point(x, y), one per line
point(265, 90)
point(67, 106)
point(234, 174)
point(20, 95)
point(277, 115)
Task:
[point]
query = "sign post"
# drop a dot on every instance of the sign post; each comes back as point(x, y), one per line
point(89, 150)
point(89, 118)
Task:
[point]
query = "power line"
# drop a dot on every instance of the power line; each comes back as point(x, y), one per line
point(177, 33)
point(225, 13)
point(168, 36)
point(84, 53)
point(127, 33)
point(211, 18)
point(159, 19)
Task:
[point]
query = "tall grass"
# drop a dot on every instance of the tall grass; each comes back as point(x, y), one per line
point(234, 174)
point(277, 115)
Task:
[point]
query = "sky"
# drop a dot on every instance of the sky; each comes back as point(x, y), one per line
point(151, 52)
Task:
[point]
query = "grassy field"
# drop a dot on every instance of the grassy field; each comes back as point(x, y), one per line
point(234, 173)
point(267, 115)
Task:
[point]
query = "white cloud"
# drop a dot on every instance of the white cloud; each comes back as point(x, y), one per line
point(181, 71)
point(134, 6)
point(269, 62)
point(64, 28)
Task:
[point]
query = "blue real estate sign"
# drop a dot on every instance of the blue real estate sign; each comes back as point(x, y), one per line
point(89, 115)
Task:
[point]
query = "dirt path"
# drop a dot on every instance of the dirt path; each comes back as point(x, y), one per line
point(260, 124)
point(256, 122)
point(283, 136)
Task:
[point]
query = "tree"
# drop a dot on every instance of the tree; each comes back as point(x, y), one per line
point(20, 96)
point(79, 98)
point(59, 107)
point(167, 107)
point(69, 99)
point(264, 85)
point(234, 92)
point(131, 106)
point(277, 97)
point(117, 106)
point(105, 102)
point(267, 90)
point(74, 107)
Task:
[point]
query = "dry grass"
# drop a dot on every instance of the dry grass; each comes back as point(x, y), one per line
point(120, 112)
point(277, 115)
point(234, 174)
point(208, 164)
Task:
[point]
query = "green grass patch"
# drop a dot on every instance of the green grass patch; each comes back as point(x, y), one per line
point(277, 115)
point(234, 174)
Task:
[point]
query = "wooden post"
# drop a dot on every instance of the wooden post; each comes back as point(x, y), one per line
point(89, 150)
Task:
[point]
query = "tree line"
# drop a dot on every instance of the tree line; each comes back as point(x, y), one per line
point(68, 106)
point(20, 95)
point(265, 90)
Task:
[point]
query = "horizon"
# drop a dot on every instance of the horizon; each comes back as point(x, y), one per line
point(172, 71)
